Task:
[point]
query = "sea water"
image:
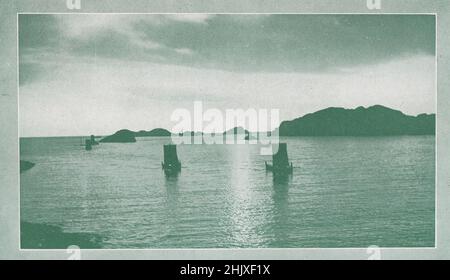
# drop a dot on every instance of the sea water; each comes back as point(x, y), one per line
point(344, 192)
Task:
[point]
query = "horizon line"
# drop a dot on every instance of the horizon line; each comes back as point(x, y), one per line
point(226, 130)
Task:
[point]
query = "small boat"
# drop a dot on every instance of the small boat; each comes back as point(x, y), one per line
point(280, 162)
point(88, 145)
point(171, 164)
point(93, 141)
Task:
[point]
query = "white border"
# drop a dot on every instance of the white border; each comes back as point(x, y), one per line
point(228, 249)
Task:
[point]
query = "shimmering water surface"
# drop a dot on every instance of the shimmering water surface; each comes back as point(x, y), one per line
point(345, 192)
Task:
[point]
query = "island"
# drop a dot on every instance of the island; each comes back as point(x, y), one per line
point(157, 132)
point(239, 130)
point(121, 136)
point(376, 120)
point(372, 121)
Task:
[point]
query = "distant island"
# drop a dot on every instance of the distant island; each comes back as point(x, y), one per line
point(128, 136)
point(121, 136)
point(237, 130)
point(372, 121)
point(157, 132)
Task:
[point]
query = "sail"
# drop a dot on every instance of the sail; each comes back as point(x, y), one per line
point(170, 154)
point(280, 159)
point(88, 144)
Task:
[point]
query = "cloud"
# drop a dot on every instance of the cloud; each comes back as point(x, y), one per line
point(81, 25)
point(245, 43)
point(86, 28)
point(131, 71)
point(117, 36)
point(110, 95)
point(185, 51)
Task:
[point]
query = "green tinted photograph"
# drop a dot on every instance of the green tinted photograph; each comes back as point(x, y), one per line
point(179, 131)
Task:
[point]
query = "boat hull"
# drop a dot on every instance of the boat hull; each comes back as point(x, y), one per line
point(171, 169)
point(280, 170)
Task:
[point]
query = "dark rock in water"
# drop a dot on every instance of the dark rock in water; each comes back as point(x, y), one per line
point(373, 121)
point(41, 236)
point(25, 165)
point(121, 136)
point(157, 132)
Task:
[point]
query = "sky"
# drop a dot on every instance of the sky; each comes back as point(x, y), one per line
point(82, 74)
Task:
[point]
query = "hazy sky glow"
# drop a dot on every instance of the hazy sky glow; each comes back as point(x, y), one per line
point(96, 74)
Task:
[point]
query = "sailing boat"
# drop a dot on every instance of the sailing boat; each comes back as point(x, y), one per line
point(171, 164)
point(93, 141)
point(88, 145)
point(280, 162)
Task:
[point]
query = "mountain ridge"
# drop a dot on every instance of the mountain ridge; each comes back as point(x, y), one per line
point(376, 120)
